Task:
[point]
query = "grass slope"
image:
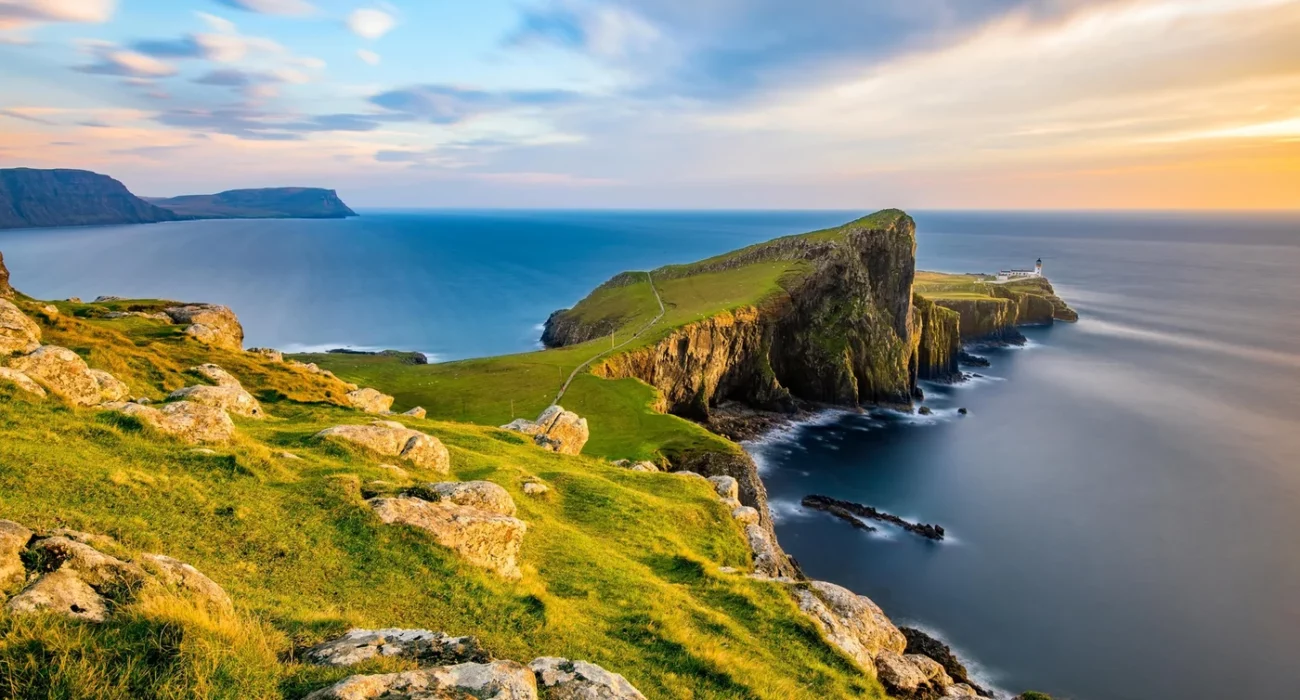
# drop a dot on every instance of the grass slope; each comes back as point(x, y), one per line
point(620, 567)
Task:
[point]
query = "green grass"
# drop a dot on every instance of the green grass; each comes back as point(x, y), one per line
point(620, 568)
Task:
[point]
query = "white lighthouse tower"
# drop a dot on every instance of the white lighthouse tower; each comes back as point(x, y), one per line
point(1038, 268)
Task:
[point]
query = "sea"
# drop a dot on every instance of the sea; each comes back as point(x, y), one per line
point(1122, 498)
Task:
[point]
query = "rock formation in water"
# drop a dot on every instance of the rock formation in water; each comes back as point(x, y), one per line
point(264, 203)
point(40, 198)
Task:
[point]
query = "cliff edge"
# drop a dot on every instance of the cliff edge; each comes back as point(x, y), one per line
point(265, 203)
point(42, 198)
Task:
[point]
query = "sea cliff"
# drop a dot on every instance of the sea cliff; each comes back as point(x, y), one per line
point(41, 198)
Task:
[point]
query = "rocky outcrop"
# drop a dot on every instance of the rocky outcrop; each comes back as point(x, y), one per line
point(556, 430)
point(489, 539)
point(392, 439)
point(423, 646)
point(851, 622)
point(18, 333)
point(838, 507)
point(497, 680)
point(483, 495)
point(1029, 302)
point(210, 324)
point(231, 399)
point(190, 422)
point(6, 291)
point(36, 198)
point(370, 400)
point(562, 679)
point(68, 575)
point(728, 489)
point(63, 373)
point(920, 643)
point(22, 381)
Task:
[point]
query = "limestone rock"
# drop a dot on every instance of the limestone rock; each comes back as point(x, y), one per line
point(961, 690)
point(105, 298)
point(579, 680)
point(911, 676)
point(556, 430)
point(270, 354)
point(370, 400)
point(232, 399)
point(152, 316)
point(394, 440)
point(110, 388)
point(18, 333)
point(745, 515)
point(191, 422)
point(65, 374)
point(728, 489)
point(417, 412)
point(22, 381)
point(487, 540)
point(535, 488)
point(851, 622)
point(216, 375)
point(210, 324)
point(50, 310)
point(483, 495)
point(185, 578)
point(767, 561)
point(108, 575)
point(498, 680)
point(13, 540)
point(60, 592)
point(427, 647)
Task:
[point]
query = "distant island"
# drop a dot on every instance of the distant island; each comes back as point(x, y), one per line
point(34, 198)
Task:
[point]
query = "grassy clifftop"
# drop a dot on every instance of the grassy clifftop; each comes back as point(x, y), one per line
point(620, 568)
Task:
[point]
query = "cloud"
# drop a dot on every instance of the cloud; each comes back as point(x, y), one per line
point(18, 113)
point(368, 56)
point(369, 23)
point(251, 123)
point(16, 13)
point(109, 59)
point(272, 7)
point(446, 104)
point(224, 45)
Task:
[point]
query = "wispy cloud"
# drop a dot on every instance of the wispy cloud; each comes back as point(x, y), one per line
point(447, 104)
point(16, 13)
point(369, 23)
point(272, 7)
point(108, 59)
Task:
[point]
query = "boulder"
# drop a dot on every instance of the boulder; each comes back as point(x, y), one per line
point(18, 333)
point(60, 592)
point(66, 375)
point(728, 489)
point(231, 399)
point(535, 488)
point(498, 680)
point(924, 411)
point(911, 676)
point(851, 622)
point(556, 430)
point(424, 646)
point(210, 324)
point(483, 495)
point(962, 690)
point(191, 422)
point(181, 577)
point(50, 310)
point(485, 539)
point(417, 412)
point(563, 679)
point(919, 642)
point(270, 354)
point(745, 515)
point(767, 561)
point(20, 380)
point(392, 439)
point(13, 540)
point(370, 401)
point(216, 375)
point(108, 575)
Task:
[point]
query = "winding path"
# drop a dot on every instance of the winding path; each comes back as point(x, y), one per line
point(638, 334)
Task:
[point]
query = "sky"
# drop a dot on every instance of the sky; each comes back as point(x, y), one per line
point(959, 104)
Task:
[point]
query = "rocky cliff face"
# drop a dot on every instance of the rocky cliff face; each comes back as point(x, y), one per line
point(841, 334)
point(6, 291)
point(36, 198)
point(1033, 303)
point(938, 341)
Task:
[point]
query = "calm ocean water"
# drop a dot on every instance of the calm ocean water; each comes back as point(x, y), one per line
point(1123, 499)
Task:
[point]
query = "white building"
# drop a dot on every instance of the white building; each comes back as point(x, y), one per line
point(1006, 275)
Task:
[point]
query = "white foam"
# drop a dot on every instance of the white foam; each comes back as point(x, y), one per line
point(787, 510)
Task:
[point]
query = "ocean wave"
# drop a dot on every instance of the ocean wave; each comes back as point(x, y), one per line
point(783, 511)
point(937, 416)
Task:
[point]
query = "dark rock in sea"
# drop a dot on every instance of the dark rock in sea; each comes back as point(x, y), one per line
point(918, 394)
point(970, 360)
point(962, 411)
point(924, 411)
point(833, 505)
point(919, 642)
point(32, 198)
point(848, 517)
point(264, 203)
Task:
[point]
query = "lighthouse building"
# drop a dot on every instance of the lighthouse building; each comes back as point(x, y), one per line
point(1007, 275)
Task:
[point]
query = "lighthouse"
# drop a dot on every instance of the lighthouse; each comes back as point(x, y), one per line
point(1038, 268)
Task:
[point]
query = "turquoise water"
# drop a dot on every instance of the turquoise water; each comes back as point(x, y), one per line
point(1123, 499)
